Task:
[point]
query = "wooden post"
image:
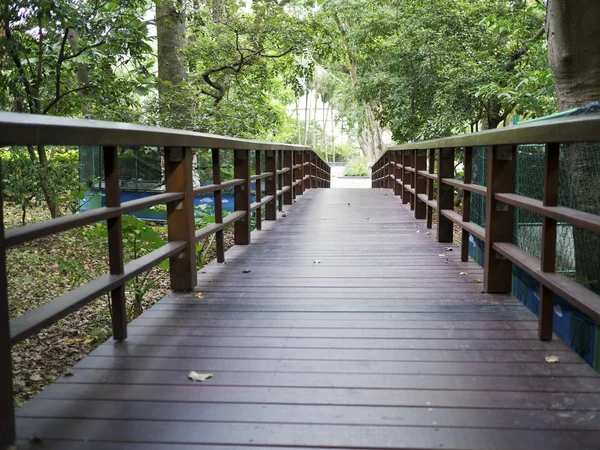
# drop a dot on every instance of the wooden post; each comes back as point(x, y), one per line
point(313, 170)
point(180, 217)
point(468, 178)
point(280, 180)
point(548, 260)
point(412, 155)
point(257, 187)
point(241, 169)
point(7, 411)
point(271, 185)
point(431, 168)
point(497, 270)
point(287, 177)
point(298, 173)
point(218, 202)
point(305, 171)
point(445, 193)
point(420, 183)
point(405, 179)
point(118, 300)
point(397, 173)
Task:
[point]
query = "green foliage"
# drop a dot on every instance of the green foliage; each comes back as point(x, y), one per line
point(436, 68)
point(23, 176)
point(357, 167)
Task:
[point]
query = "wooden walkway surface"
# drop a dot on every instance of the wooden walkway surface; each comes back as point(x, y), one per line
point(354, 329)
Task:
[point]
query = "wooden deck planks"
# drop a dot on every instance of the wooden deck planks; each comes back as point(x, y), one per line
point(353, 329)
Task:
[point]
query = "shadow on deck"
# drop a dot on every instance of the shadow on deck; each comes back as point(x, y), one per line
point(354, 329)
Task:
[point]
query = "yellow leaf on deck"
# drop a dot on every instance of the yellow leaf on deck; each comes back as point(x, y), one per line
point(552, 359)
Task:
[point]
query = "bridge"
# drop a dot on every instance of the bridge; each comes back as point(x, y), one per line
point(346, 319)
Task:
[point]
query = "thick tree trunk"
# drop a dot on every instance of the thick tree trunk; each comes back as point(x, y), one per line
point(172, 66)
point(314, 118)
point(83, 74)
point(324, 137)
point(574, 55)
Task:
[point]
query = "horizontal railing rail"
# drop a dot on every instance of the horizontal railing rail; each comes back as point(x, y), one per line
point(423, 175)
point(286, 170)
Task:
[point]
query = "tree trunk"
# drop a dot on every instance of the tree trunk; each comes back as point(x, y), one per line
point(306, 109)
point(574, 55)
point(299, 142)
point(172, 66)
point(83, 74)
point(314, 119)
point(324, 137)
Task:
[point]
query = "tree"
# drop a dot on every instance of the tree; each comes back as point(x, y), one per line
point(573, 35)
point(53, 50)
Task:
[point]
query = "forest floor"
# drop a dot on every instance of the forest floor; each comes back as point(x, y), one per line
point(42, 270)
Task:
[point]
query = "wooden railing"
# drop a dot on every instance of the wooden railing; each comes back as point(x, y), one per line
point(289, 170)
point(423, 175)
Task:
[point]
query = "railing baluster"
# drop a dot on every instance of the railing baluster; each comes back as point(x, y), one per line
point(468, 177)
point(241, 168)
point(280, 180)
point(115, 243)
point(502, 164)
point(397, 173)
point(7, 414)
point(548, 259)
point(405, 179)
point(430, 186)
point(445, 193)
point(218, 203)
point(271, 185)
point(180, 217)
point(412, 158)
point(420, 184)
point(257, 188)
point(298, 174)
point(287, 177)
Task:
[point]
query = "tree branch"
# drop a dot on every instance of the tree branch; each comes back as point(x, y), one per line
point(64, 94)
point(523, 50)
point(84, 49)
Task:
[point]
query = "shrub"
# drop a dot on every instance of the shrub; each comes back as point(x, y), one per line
point(357, 167)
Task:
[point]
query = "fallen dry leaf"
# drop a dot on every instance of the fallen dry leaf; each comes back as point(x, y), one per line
point(464, 273)
point(200, 295)
point(246, 271)
point(35, 377)
point(448, 249)
point(195, 376)
point(552, 359)
point(476, 281)
point(441, 255)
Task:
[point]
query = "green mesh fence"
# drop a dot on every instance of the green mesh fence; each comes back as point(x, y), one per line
point(140, 169)
point(578, 251)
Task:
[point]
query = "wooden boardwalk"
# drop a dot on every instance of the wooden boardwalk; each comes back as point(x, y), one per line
point(354, 329)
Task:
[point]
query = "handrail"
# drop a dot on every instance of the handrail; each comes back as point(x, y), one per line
point(289, 170)
point(30, 129)
point(585, 128)
point(414, 170)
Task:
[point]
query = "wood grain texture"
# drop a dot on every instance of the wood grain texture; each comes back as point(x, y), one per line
point(353, 329)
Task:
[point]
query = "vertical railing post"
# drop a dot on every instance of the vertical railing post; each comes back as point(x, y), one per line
point(271, 185)
point(280, 179)
point(218, 202)
point(313, 170)
point(420, 184)
point(298, 173)
point(466, 217)
point(305, 171)
point(413, 178)
point(548, 259)
point(257, 187)
point(7, 411)
point(405, 179)
point(118, 300)
point(430, 186)
point(445, 193)
point(241, 169)
point(180, 217)
point(497, 270)
point(287, 177)
point(397, 173)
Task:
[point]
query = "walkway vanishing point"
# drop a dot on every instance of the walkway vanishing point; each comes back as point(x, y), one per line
point(343, 324)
